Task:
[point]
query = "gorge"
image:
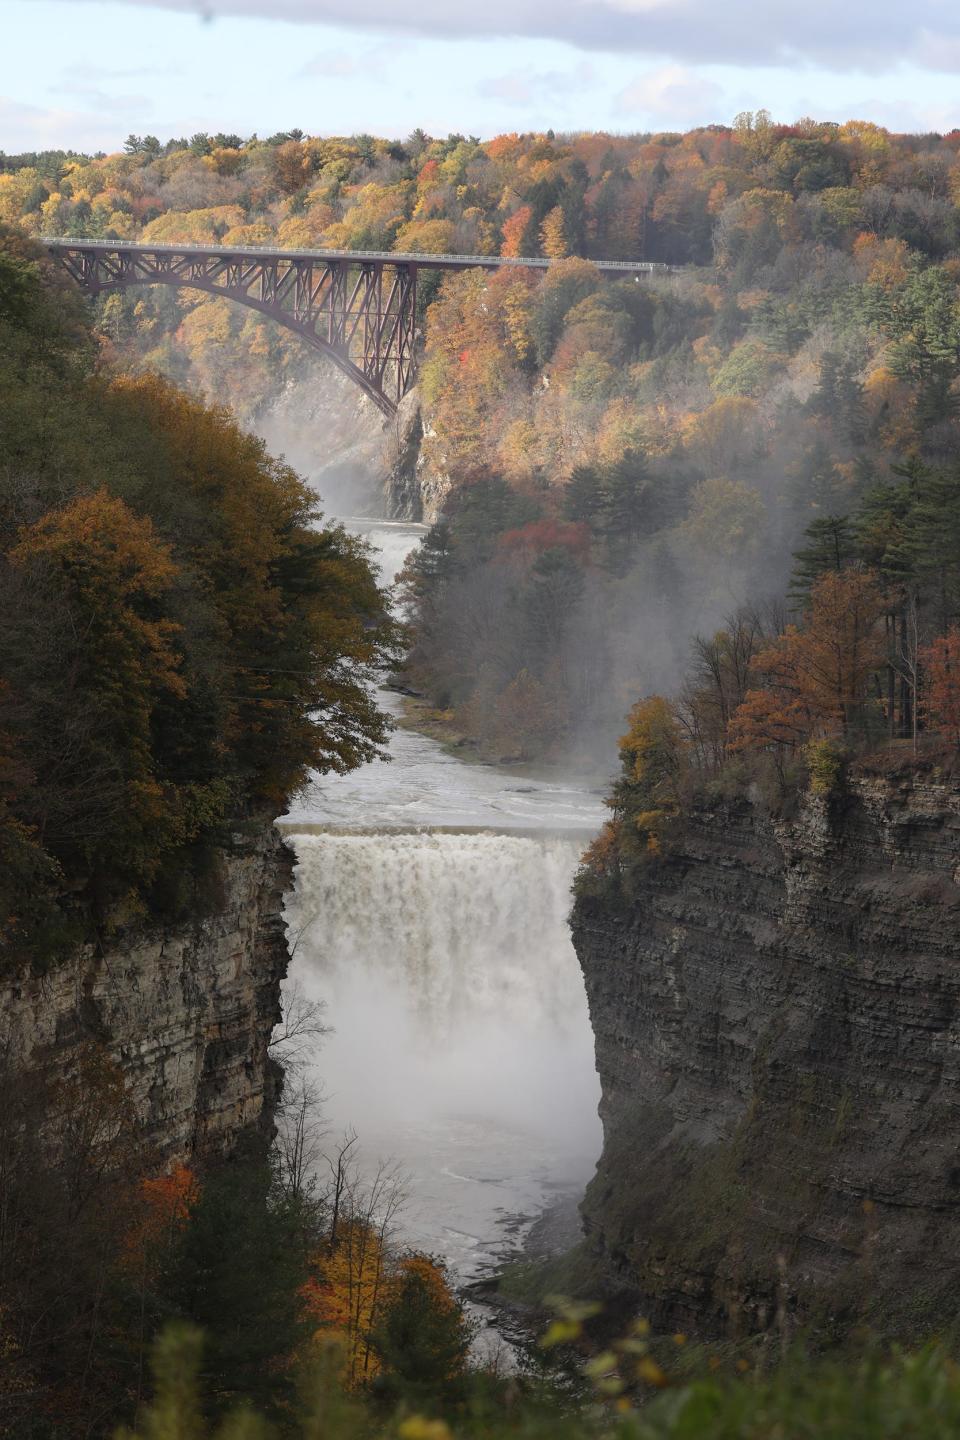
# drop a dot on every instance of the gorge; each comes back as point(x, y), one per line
point(429, 913)
point(707, 999)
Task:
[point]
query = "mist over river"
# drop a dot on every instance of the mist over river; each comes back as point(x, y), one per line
point(429, 913)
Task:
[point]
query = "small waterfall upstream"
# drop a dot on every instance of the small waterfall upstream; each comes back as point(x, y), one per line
point(429, 914)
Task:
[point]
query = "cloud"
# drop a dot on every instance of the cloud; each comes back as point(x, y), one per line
point(673, 94)
point(34, 127)
point(332, 65)
point(373, 62)
point(859, 35)
point(83, 73)
point(527, 86)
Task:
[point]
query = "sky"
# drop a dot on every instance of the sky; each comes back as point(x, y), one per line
point(83, 74)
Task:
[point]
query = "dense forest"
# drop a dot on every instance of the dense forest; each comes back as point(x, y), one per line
point(626, 462)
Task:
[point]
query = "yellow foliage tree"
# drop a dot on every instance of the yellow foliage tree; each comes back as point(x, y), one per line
point(553, 240)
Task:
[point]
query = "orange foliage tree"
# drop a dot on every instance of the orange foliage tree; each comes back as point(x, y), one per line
point(940, 663)
point(348, 1293)
point(816, 675)
point(160, 1209)
point(515, 232)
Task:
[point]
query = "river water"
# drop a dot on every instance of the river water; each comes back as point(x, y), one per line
point(429, 913)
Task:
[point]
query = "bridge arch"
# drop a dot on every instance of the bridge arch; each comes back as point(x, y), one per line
point(241, 297)
point(357, 308)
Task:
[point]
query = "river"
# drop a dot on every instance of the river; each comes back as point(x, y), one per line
point(429, 913)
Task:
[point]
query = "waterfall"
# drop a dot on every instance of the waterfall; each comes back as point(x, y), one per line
point(447, 966)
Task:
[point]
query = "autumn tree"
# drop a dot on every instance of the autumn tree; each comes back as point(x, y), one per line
point(516, 232)
point(553, 240)
point(719, 677)
point(817, 674)
point(103, 570)
point(652, 761)
point(940, 662)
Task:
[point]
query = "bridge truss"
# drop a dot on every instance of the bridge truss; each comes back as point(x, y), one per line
point(357, 308)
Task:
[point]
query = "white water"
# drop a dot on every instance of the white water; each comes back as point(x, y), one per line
point(429, 912)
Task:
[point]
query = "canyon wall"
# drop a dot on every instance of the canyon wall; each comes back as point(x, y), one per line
point(776, 1007)
point(185, 1013)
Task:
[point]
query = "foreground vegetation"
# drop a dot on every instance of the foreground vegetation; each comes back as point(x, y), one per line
point(883, 1396)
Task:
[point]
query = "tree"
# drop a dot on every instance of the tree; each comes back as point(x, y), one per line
point(584, 497)
point(553, 240)
point(922, 318)
point(776, 720)
point(423, 1338)
point(626, 508)
point(516, 232)
point(564, 285)
point(721, 674)
point(241, 1262)
point(652, 760)
point(104, 571)
point(817, 675)
point(726, 519)
point(940, 662)
point(550, 600)
point(829, 545)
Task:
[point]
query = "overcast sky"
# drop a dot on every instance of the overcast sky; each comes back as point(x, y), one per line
point(85, 73)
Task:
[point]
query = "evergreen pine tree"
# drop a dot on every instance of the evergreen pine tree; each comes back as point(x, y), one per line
point(584, 498)
point(626, 510)
point(422, 1341)
point(829, 545)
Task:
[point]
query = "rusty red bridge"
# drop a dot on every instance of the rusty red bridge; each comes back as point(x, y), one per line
point(356, 307)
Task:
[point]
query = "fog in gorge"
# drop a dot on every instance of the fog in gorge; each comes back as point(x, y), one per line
point(429, 914)
point(319, 400)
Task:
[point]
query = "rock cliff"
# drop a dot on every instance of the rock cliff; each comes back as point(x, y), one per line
point(777, 1018)
point(185, 1013)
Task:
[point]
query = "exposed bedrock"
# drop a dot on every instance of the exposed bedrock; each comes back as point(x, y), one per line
point(185, 1013)
point(778, 1040)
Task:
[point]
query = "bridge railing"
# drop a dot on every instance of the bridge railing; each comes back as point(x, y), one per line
point(391, 257)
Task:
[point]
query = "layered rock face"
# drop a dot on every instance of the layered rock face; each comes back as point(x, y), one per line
point(186, 1014)
point(777, 1021)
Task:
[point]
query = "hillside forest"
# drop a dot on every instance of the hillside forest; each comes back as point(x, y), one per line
point(624, 463)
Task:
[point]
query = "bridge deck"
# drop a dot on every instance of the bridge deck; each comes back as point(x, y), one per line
point(389, 257)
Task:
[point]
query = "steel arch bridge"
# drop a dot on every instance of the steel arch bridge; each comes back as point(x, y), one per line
point(356, 307)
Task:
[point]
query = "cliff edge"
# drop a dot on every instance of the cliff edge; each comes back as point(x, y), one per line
point(184, 1013)
point(776, 1007)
